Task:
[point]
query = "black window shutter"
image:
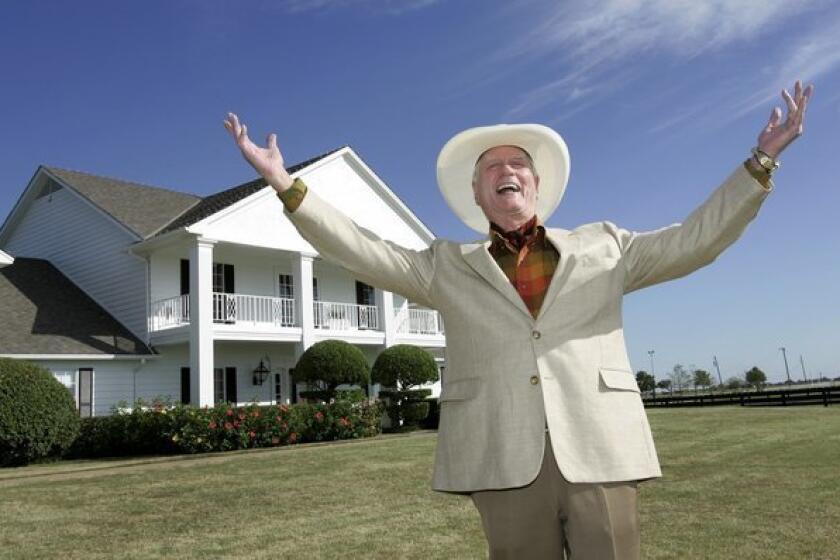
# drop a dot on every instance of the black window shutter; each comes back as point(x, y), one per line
point(230, 384)
point(228, 272)
point(364, 293)
point(293, 385)
point(185, 276)
point(185, 385)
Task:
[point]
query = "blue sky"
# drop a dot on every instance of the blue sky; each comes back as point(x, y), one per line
point(658, 101)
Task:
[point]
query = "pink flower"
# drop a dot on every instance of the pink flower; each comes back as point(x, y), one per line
point(242, 416)
point(228, 426)
point(235, 424)
point(319, 416)
point(293, 437)
point(344, 421)
point(275, 440)
point(284, 408)
point(229, 412)
point(212, 425)
point(255, 414)
point(252, 434)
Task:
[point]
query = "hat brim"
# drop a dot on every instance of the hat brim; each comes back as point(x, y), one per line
point(456, 163)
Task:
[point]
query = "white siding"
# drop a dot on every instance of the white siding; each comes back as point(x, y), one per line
point(89, 249)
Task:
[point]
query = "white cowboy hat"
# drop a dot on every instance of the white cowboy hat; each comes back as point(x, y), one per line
point(456, 163)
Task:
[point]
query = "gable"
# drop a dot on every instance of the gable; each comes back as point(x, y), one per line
point(345, 182)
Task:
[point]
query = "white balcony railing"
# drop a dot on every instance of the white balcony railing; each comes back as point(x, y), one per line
point(242, 308)
point(345, 316)
point(419, 321)
point(170, 312)
point(227, 309)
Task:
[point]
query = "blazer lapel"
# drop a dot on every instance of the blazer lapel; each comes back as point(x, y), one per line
point(479, 259)
point(564, 244)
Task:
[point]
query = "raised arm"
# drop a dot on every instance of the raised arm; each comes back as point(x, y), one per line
point(267, 161)
point(380, 263)
point(674, 251)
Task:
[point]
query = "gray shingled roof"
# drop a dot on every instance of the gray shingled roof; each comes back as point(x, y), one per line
point(141, 208)
point(148, 210)
point(45, 313)
point(219, 201)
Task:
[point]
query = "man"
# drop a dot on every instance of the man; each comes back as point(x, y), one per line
point(541, 421)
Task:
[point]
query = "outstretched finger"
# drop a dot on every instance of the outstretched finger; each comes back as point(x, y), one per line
point(791, 104)
point(271, 141)
point(775, 118)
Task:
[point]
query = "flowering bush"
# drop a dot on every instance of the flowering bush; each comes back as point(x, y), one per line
point(166, 428)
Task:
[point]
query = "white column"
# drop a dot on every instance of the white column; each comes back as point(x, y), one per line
point(304, 313)
point(385, 302)
point(201, 322)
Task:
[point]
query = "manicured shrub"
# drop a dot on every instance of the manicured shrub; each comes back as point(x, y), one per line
point(38, 417)
point(327, 364)
point(400, 369)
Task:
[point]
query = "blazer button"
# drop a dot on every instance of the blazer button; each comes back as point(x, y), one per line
point(534, 380)
point(536, 335)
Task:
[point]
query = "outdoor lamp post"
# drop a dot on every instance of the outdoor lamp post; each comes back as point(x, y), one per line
point(261, 373)
point(652, 374)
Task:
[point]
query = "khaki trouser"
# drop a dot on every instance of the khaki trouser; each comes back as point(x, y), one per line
point(553, 518)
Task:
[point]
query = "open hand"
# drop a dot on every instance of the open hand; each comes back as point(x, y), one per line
point(267, 161)
point(777, 135)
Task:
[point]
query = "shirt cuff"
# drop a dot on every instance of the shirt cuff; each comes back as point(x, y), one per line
point(293, 196)
point(761, 176)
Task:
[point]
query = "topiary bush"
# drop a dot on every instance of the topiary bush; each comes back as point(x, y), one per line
point(400, 369)
point(38, 417)
point(328, 364)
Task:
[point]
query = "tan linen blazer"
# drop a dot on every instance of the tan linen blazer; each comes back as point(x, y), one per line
point(509, 374)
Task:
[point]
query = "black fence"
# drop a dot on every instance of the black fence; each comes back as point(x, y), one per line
point(775, 397)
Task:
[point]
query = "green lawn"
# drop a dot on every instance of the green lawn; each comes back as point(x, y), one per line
point(739, 483)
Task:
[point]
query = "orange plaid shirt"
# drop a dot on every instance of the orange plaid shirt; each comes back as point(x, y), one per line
point(527, 258)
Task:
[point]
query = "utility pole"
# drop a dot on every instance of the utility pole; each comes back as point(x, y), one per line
point(802, 362)
point(787, 369)
point(652, 374)
point(717, 367)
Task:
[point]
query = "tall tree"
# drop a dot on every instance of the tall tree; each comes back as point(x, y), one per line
point(702, 378)
point(680, 378)
point(645, 381)
point(756, 377)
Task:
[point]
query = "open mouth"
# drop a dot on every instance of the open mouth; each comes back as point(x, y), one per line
point(507, 187)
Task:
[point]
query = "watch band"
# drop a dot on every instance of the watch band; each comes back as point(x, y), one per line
point(767, 162)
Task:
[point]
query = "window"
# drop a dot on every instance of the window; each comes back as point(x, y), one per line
point(224, 307)
point(80, 385)
point(287, 286)
point(278, 382)
point(68, 379)
point(316, 294)
point(365, 294)
point(224, 385)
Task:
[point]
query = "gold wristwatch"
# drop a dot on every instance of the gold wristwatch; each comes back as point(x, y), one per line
point(768, 163)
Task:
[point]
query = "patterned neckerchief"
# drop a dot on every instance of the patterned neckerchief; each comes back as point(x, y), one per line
point(527, 258)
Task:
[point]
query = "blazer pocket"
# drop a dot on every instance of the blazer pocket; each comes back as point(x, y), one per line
point(459, 390)
point(619, 379)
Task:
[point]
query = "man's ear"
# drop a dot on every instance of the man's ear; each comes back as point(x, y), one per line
point(475, 194)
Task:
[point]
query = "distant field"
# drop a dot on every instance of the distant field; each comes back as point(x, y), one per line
point(739, 483)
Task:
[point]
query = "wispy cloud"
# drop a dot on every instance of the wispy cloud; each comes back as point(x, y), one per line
point(595, 41)
point(389, 7)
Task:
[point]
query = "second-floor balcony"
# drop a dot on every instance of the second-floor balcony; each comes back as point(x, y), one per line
point(266, 313)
